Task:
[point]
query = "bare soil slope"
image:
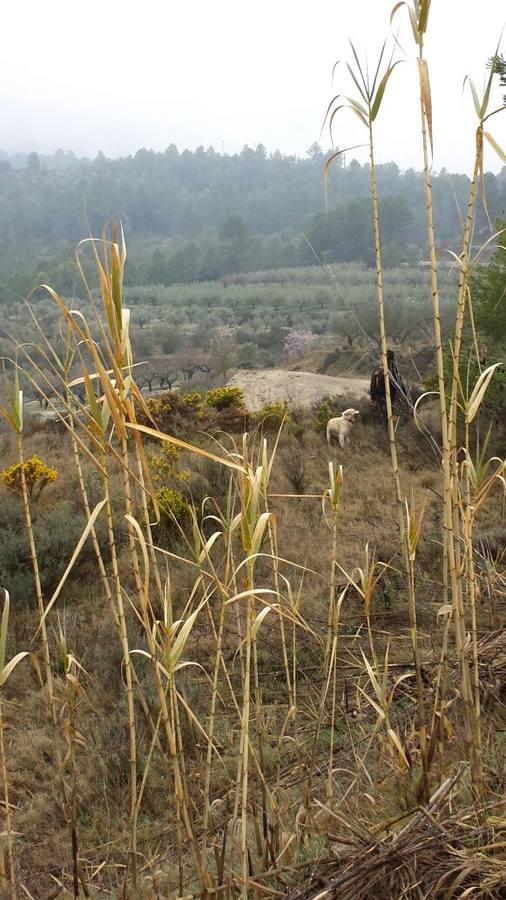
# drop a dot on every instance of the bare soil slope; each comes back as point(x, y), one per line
point(262, 386)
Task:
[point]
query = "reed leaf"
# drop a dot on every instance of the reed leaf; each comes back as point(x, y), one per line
point(474, 92)
point(358, 108)
point(414, 20)
point(258, 533)
point(142, 540)
point(493, 143)
point(79, 546)
point(183, 634)
point(7, 668)
point(10, 666)
point(478, 393)
point(4, 628)
point(381, 90)
point(184, 445)
point(260, 618)
point(424, 16)
point(206, 549)
point(359, 67)
point(423, 71)
point(378, 67)
point(328, 162)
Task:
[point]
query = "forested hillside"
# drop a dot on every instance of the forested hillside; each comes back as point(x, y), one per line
point(195, 216)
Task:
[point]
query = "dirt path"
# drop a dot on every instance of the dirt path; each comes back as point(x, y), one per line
point(296, 388)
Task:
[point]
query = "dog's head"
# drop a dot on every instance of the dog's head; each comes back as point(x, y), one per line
point(349, 414)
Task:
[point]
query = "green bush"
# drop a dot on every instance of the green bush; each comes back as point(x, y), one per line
point(172, 505)
point(222, 397)
point(194, 398)
point(325, 410)
point(487, 292)
point(170, 412)
point(57, 531)
point(271, 414)
point(494, 401)
point(247, 355)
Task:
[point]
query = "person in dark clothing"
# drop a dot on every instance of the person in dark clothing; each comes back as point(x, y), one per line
point(378, 389)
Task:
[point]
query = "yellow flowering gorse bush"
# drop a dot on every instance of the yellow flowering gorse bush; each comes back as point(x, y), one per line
point(37, 476)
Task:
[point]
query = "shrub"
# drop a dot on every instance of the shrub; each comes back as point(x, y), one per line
point(494, 401)
point(223, 397)
point(37, 476)
point(208, 479)
point(294, 461)
point(298, 430)
point(194, 398)
point(172, 502)
point(325, 410)
point(169, 412)
point(247, 355)
point(160, 409)
point(57, 532)
point(164, 465)
point(172, 505)
point(271, 414)
point(233, 418)
point(271, 339)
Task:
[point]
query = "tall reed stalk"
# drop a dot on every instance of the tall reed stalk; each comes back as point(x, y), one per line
point(13, 415)
point(414, 525)
point(453, 537)
point(366, 110)
point(419, 17)
point(6, 669)
point(11, 877)
point(332, 494)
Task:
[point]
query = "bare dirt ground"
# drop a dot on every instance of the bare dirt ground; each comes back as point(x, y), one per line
point(262, 386)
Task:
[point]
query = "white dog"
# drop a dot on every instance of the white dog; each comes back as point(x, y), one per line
point(341, 426)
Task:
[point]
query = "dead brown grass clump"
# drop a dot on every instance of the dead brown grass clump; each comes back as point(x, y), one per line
point(437, 854)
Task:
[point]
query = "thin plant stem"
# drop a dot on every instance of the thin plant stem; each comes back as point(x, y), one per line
point(470, 726)
point(8, 822)
point(422, 730)
point(120, 611)
point(37, 581)
point(383, 343)
point(438, 340)
point(244, 752)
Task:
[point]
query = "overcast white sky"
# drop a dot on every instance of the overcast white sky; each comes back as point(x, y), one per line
point(115, 76)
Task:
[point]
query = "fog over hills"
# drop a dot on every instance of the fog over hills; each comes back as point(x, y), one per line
point(196, 216)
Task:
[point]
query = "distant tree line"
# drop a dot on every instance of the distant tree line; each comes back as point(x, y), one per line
point(203, 215)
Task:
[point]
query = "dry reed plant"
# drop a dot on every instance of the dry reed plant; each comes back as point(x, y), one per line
point(7, 876)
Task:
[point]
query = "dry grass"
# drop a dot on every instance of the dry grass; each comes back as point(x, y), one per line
point(366, 514)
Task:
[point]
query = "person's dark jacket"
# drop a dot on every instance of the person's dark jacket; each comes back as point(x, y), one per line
point(377, 389)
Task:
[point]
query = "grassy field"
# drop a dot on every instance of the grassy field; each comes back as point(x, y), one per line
point(318, 747)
